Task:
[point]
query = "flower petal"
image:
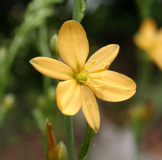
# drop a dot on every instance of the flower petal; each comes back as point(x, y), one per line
point(90, 108)
point(52, 68)
point(156, 56)
point(148, 27)
point(103, 56)
point(68, 96)
point(146, 37)
point(73, 45)
point(114, 87)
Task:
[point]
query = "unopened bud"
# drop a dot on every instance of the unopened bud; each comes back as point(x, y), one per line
point(54, 47)
point(52, 93)
point(52, 146)
point(3, 52)
point(9, 100)
point(143, 112)
point(62, 152)
point(41, 101)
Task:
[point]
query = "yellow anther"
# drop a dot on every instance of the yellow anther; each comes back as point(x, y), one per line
point(107, 66)
point(98, 86)
point(88, 78)
point(104, 65)
point(87, 67)
point(93, 63)
point(102, 77)
point(82, 82)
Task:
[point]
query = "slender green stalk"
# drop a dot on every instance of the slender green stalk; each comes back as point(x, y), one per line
point(69, 137)
point(144, 8)
point(2, 84)
point(76, 10)
point(144, 76)
point(85, 147)
point(83, 151)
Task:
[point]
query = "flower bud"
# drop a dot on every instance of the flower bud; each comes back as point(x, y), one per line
point(54, 47)
point(52, 93)
point(144, 112)
point(52, 146)
point(9, 100)
point(41, 101)
point(62, 152)
point(3, 52)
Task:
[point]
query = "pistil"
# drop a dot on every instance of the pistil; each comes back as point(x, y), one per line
point(82, 76)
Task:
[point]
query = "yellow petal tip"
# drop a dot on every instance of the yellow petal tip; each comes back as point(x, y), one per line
point(32, 61)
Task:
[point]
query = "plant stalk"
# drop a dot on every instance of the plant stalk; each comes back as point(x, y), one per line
point(69, 137)
point(76, 10)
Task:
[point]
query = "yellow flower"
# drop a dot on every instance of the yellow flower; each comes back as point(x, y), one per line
point(149, 39)
point(84, 80)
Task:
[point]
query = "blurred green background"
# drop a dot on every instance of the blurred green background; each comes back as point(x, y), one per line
point(27, 98)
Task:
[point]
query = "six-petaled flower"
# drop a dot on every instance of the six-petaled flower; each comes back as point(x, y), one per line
point(84, 81)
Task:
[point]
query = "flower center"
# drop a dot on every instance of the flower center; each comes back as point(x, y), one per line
point(87, 74)
point(82, 76)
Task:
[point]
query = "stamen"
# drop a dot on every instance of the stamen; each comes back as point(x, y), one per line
point(99, 86)
point(97, 71)
point(96, 86)
point(102, 77)
point(88, 78)
point(92, 64)
point(104, 64)
point(104, 58)
point(86, 67)
point(82, 81)
point(105, 67)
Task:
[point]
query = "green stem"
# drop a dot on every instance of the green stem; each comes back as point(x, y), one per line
point(76, 10)
point(69, 137)
point(144, 8)
point(83, 151)
point(144, 76)
point(2, 85)
point(88, 137)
